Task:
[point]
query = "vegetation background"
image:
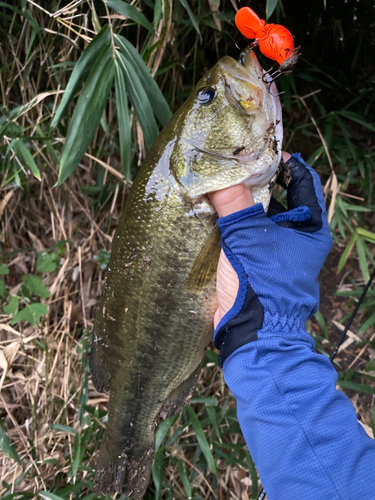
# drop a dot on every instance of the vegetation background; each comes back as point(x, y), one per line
point(91, 139)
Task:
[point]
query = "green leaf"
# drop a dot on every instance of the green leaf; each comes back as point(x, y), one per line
point(162, 430)
point(211, 413)
point(2, 288)
point(46, 262)
point(157, 12)
point(12, 307)
point(346, 252)
point(208, 401)
point(4, 269)
point(367, 235)
point(201, 438)
point(21, 151)
point(76, 455)
point(270, 7)
point(155, 96)
point(33, 285)
point(103, 258)
point(345, 384)
point(46, 495)
point(7, 446)
point(123, 119)
point(369, 322)
point(253, 474)
point(63, 428)
point(186, 6)
point(319, 318)
point(20, 495)
point(362, 259)
point(185, 480)
point(370, 367)
point(81, 70)
point(355, 117)
point(157, 471)
point(87, 113)
point(126, 10)
point(31, 313)
point(140, 101)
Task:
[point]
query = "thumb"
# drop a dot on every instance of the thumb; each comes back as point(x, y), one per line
point(232, 199)
point(226, 202)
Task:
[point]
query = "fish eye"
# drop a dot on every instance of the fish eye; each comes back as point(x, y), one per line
point(207, 95)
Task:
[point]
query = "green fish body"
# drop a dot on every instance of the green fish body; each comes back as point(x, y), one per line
point(155, 318)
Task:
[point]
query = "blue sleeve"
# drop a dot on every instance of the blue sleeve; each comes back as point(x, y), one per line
point(302, 433)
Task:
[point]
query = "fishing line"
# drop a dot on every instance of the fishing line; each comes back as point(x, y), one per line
point(350, 321)
point(262, 494)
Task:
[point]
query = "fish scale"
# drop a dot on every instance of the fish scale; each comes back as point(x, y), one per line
point(155, 318)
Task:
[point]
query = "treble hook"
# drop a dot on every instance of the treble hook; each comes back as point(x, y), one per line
point(270, 78)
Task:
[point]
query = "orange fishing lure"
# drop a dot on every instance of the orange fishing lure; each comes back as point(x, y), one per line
point(274, 40)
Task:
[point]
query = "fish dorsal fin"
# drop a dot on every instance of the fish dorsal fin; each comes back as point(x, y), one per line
point(205, 265)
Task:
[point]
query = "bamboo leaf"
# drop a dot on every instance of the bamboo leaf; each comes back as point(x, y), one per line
point(46, 495)
point(355, 117)
point(7, 446)
point(319, 318)
point(87, 114)
point(63, 428)
point(253, 474)
point(140, 101)
point(163, 429)
point(81, 70)
point(186, 6)
point(201, 438)
point(157, 471)
point(154, 94)
point(157, 12)
point(126, 10)
point(211, 413)
point(369, 322)
point(24, 154)
point(345, 384)
point(362, 259)
point(123, 119)
point(367, 235)
point(270, 7)
point(185, 480)
point(346, 252)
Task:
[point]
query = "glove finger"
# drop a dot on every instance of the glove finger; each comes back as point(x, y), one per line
point(303, 189)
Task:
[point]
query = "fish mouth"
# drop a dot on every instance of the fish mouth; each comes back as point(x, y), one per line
point(237, 154)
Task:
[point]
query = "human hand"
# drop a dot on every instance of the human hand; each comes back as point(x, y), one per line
point(277, 259)
point(226, 202)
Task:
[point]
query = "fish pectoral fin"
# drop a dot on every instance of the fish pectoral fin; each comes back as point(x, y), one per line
point(205, 265)
point(179, 397)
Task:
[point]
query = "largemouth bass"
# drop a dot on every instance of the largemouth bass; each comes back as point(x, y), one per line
point(155, 318)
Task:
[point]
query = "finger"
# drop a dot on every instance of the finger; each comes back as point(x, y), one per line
point(286, 156)
point(232, 199)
